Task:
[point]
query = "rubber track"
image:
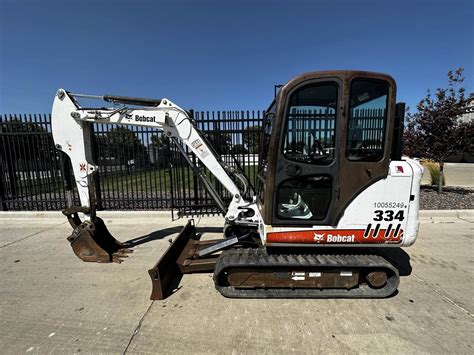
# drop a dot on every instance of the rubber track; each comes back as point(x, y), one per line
point(258, 258)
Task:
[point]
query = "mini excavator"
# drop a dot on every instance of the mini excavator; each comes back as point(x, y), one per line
point(332, 191)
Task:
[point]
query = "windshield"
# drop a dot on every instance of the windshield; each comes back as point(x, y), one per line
point(310, 124)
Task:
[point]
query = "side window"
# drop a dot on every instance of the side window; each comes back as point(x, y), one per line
point(304, 197)
point(367, 120)
point(310, 124)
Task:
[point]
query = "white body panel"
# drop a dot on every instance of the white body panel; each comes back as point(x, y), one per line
point(384, 214)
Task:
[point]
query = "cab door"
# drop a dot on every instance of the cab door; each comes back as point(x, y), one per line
point(330, 143)
point(306, 177)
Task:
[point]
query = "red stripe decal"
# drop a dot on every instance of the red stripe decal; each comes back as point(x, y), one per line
point(337, 236)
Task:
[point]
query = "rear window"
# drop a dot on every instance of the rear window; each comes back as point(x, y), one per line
point(367, 120)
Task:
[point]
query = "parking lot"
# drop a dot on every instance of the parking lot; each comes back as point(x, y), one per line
point(51, 302)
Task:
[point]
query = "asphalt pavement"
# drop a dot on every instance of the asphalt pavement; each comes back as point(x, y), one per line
point(51, 302)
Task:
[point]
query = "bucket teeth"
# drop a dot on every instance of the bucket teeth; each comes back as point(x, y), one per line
point(92, 242)
point(122, 253)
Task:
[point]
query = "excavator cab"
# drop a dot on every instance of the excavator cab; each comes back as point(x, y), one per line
point(327, 136)
point(330, 175)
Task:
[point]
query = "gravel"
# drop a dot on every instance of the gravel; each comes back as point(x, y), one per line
point(452, 198)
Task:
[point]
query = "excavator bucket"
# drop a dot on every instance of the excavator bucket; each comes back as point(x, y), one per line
point(92, 242)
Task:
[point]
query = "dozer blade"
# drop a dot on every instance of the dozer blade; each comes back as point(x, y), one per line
point(181, 257)
point(92, 242)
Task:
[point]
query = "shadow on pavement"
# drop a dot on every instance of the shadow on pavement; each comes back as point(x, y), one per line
point(398, 258)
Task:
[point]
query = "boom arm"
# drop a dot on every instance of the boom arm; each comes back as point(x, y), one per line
point(71, 134)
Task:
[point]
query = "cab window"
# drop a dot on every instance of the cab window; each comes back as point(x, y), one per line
point(367, 120)
point(305, 198)
point(310, 124)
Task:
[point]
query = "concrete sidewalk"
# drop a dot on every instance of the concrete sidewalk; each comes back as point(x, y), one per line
point(51, 302)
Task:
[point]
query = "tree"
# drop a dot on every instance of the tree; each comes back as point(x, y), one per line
point(220, 141)
point(434, 127)
point(411, 141)
point(252, 137)
point(160, 145)
point(239, 149)
point(159, 141)
point(24, 146)
point(25, 141)
point(125, 146)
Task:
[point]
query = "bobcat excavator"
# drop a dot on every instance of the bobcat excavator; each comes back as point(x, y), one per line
point(332, 191)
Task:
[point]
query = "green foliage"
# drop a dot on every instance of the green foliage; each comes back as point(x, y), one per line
point(123, 145)
point(159, 141)
point(252, 138)
point(26, 141)
point(239, 149)
point(220, 141)
point(160, 150)
point(435, 173)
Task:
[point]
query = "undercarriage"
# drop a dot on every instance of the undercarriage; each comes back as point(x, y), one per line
point(248, 270)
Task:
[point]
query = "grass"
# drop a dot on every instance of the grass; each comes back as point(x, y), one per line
point(141, 180)
point(435, 173)
point(28, 183)
point(149, 180)
point(158, 179)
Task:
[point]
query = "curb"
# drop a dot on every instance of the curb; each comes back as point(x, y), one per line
point(446, 214)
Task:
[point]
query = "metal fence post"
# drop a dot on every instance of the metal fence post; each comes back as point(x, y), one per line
point(7, 153)
point(3, 206)
point(95, 175)
point(195, 180)
point(170, 172)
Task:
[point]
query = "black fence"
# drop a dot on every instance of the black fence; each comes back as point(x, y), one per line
point(139, 168)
